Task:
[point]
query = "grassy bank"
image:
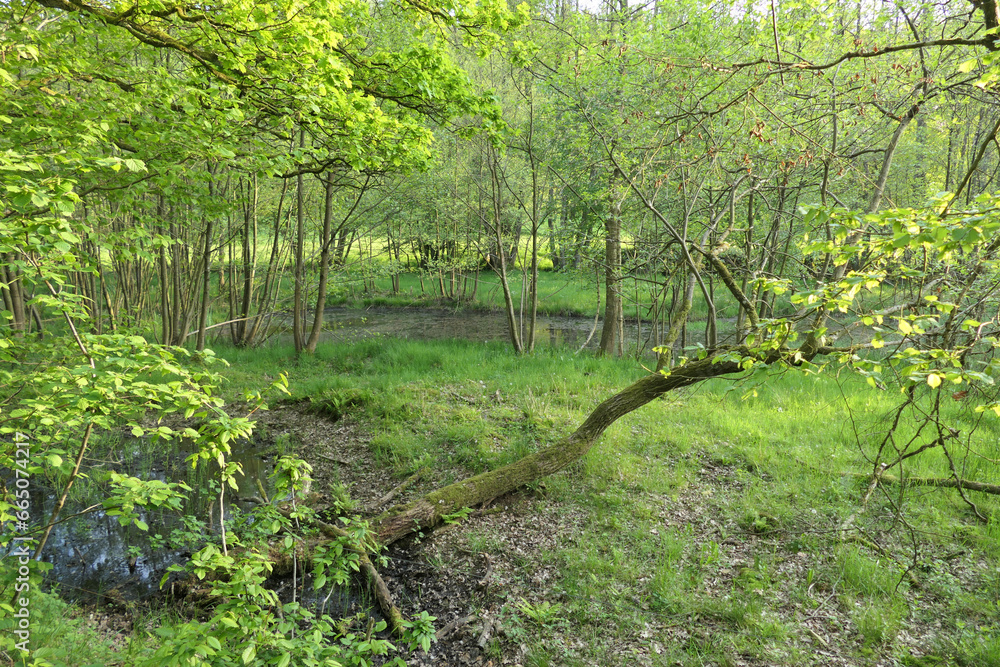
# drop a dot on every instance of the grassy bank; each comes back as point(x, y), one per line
point(559, 293)
point(61, 634)
point(706, 528)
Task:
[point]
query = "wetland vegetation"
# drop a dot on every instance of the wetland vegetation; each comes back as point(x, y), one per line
point(440, 333)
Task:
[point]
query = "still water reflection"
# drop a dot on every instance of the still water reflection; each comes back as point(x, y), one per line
point(348, 324)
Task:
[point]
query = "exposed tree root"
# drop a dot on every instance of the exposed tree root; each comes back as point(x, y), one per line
point(454, 625)
point(384, 500)
point(484, 637)
point(946, 482)
point(378, 587)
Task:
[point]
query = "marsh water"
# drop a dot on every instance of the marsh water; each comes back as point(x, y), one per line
point(352, 324)
point(95, 558)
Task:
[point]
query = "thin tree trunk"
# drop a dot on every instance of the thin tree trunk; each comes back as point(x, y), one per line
point(890, 151)
point(610, 333)
point(274, 273)
point(165, 332)
point(677, 323)
point(14, 295)
point(298, 326)
point(324, 269)
point(501, 269)
point(249, 259)
point(206, 283)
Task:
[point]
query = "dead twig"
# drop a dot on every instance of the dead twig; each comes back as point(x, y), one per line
point(378, 586)
point(470, 401)
point(382, 594)
point(384, 500)
point(454, 625)
point(484, 637)
point(944, 482)
point(483, 583)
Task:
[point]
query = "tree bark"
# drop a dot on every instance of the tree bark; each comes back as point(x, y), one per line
point(611, 332)
point(298, 297)
point(206, 284)
point(14, 299)
point(533, 290)
point(943, 482)
point(500, 267)
point(324, 269)
point(666, 355)
point(249, 250)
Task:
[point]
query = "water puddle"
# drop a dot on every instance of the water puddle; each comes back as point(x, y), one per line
point(95, 559)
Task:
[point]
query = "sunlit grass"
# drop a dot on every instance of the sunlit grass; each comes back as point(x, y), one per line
point(559, 293)
point(784, 463)
point(56, 635)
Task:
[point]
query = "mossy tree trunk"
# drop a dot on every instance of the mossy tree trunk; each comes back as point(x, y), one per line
point(427, 511)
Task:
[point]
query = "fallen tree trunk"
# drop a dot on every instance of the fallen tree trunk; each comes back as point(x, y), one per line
point(428, 511)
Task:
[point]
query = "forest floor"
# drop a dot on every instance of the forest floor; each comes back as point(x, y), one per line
point(729, 524)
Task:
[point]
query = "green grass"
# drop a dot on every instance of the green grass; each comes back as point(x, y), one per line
point(672, 491)
point(797, 438)
point(368, 284)
point(58, 634)
point(559, 293)
point(365, 282)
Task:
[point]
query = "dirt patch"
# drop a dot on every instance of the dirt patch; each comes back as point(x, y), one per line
point(337, 449)
point(471, 576)
point(448, 573)
point(467, 575)
point(437, 573)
